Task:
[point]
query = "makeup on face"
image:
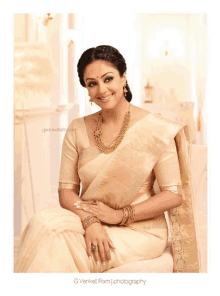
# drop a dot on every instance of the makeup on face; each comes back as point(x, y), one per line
point(98, 76)
point(103, 82)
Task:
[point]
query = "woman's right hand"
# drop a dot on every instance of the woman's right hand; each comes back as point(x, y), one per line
point(95, 234)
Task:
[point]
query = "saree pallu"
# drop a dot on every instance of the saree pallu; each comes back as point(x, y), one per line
point(115, 181)
point(136, 157)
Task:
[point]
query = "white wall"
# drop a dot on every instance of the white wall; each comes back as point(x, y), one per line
point(182, 76)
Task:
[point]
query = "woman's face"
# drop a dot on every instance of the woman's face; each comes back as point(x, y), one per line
point(104, 84)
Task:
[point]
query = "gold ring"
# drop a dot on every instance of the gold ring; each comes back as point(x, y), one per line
point(93, 247)
point(94, 202)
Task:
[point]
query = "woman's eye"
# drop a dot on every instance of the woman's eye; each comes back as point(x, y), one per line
point(109, 78)
point(91, 84)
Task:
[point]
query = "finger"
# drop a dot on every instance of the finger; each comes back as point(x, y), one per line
point(86, 203)
point(111, 244)
point(89, 210)
point(107, 250)
point(96, 252)
point(77, 203)
point(102, 252)
point(91, 207)
point(94, 207)
point(84, 208)
point(88, 248)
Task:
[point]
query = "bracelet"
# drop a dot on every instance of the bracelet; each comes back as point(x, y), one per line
point(89, 220)
point(131, 215)
point(128, 215)
point(125, 216)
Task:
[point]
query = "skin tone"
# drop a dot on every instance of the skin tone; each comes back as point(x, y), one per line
point(103, 80)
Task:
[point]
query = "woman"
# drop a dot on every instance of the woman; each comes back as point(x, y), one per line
point(115, 154)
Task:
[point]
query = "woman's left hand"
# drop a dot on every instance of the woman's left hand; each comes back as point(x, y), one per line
point(103, 212)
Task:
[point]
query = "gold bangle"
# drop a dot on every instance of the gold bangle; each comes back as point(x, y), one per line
point(125, 216)
point(89, 220)
point(132, 214)
point(129, 215)
point(133, 208)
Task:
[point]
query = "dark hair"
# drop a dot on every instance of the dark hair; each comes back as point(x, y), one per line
point(106, 53)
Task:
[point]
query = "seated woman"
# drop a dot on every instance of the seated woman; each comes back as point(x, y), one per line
point(115, 155)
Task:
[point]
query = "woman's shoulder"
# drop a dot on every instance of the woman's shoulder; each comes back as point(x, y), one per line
point(76, 123)
point(159, 120)
point(136, 109)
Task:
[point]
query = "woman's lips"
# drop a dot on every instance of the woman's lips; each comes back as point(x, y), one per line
point(106, 99)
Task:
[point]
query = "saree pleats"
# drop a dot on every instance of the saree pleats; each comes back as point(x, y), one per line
point(53, 241)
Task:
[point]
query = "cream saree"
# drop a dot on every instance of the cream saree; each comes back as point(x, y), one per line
point(153, 148)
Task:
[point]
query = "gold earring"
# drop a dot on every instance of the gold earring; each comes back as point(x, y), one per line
point(125, 90)
point(90, 101)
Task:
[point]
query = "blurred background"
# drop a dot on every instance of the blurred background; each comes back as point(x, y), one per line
point(166, 56)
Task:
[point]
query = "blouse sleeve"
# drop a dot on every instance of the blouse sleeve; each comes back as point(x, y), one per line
point(167, 170)
point(69, 178)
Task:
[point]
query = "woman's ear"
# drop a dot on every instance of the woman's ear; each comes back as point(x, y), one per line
point(124, 77)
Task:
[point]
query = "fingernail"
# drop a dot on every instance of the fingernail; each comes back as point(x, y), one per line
point(77, 206)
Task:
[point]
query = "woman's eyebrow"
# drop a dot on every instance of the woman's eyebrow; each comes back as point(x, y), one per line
point(101, 76)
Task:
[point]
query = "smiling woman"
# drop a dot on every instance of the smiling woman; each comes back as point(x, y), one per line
point(116, 218)
point(104, 88)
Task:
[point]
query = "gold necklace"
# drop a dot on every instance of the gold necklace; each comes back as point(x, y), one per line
point(117, 141)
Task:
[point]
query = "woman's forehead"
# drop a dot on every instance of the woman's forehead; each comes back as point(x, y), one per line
point(98, 68)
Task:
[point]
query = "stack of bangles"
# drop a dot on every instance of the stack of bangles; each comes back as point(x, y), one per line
point(129, 214)
point(128, 217)
point(89, 220)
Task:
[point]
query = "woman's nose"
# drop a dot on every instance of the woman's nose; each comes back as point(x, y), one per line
point(102, 89)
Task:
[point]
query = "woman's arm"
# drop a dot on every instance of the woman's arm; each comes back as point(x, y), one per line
point(67, 198)
point(94, 233)
point(154, 206)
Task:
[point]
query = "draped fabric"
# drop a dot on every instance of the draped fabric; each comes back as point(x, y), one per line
point(153, 148)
